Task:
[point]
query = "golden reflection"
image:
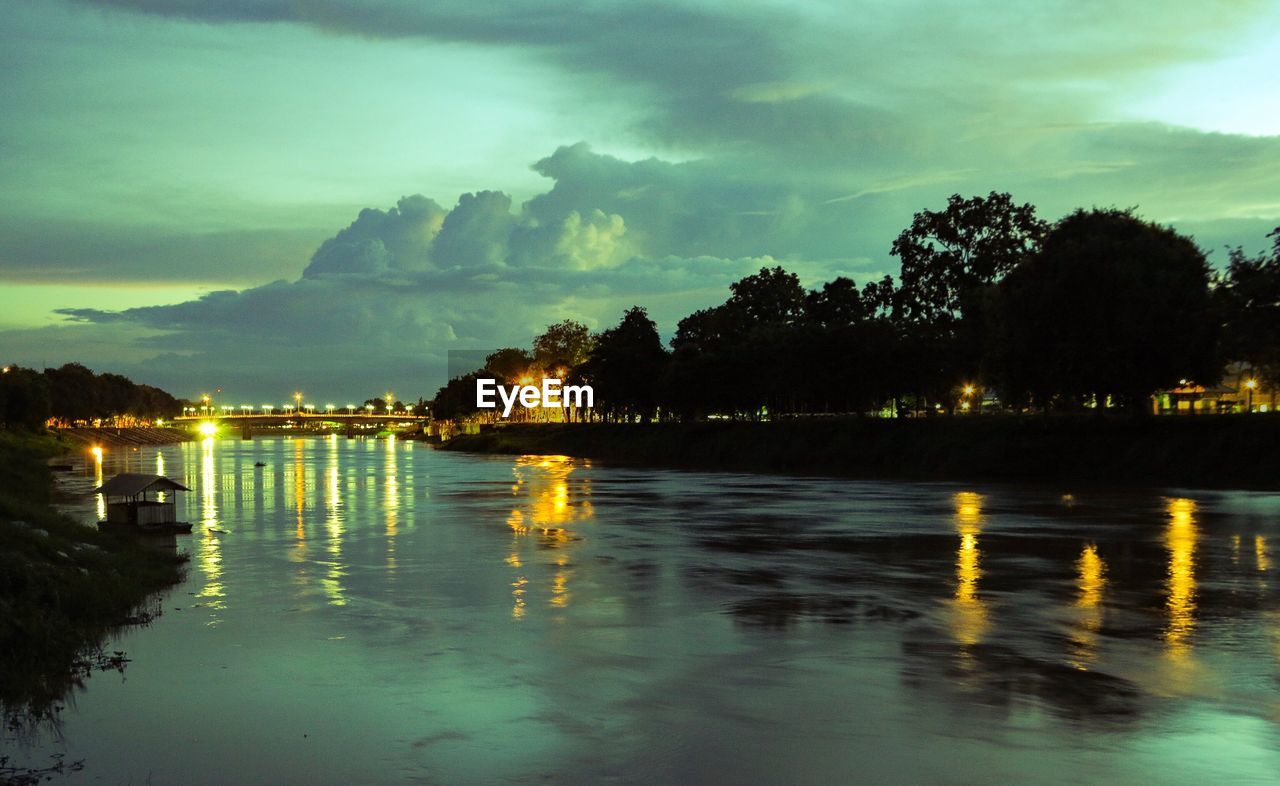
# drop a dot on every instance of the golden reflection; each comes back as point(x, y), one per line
point(391, 501)
point(299, 494)
point(547, 506)
point(1180, 538)
point(213, 593)
point(1091, 581)
point(333, 525)
point(1260, 555)
point(97, 481)
point(969, 621)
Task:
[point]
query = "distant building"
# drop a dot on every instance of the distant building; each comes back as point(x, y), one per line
point(1241, 390)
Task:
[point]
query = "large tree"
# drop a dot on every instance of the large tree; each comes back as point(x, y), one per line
point(948, 254)
point(1250, 297)
point(1111, 306)
point(626, 364)
point(563, 345)
point(950, 258)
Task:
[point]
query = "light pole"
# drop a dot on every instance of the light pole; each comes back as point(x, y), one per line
point(1250, 385)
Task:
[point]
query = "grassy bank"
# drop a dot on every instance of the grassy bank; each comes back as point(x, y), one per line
point(1209, 451)
point(64, 586)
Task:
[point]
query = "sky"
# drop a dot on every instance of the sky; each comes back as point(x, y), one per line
point(263, 196)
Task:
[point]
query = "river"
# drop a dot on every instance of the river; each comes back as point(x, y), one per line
point(376, 611)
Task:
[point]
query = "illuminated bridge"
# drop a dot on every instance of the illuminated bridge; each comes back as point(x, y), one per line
point(245, 422)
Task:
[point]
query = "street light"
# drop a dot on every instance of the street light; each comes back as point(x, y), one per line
point(1251, 385)
point(351, 409)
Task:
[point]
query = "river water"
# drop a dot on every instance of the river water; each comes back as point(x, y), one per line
point(376, 611)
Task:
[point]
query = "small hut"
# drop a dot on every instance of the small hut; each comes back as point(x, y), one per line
point(131, 504)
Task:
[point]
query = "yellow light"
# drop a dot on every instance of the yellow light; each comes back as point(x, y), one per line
point(965, 406)
point(97, 452)
point(1251, 383)
point(526, 379)
point(208, 429)
point(968, 390)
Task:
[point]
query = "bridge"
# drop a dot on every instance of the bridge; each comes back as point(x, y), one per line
point(317, 421)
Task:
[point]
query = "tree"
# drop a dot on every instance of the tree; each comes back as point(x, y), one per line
point(948, 254)
point(1111, 306)
point(457, 399)
point(949, 258)
point(24, 399)
point(509, 364)
point(1250, 299)
point(564, 344)
point(625, 365)
point(769, 297)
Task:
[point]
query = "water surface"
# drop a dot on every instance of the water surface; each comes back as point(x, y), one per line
point(374, 611)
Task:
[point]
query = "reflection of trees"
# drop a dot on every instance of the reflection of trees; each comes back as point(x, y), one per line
point(547, 505)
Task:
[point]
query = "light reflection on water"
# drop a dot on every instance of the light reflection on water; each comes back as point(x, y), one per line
point(467, 619)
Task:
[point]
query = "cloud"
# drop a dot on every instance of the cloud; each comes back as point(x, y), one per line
point(380, 241)
point(389, 294)
point(806, 134)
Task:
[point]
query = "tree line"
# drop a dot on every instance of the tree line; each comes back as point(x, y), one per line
point(70, 393)
point(1099, 309)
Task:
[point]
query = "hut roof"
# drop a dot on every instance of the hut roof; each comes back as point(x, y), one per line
point(131, 484)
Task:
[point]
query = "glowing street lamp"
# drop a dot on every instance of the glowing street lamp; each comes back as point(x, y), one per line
point(310, 408)
point(369, 408)
point(329, 408)
point(968, 390)
point(266, 408)
point(351, 409)
point(1251, 385)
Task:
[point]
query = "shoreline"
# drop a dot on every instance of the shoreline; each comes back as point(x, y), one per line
point(1211, 452)
point(64, 587)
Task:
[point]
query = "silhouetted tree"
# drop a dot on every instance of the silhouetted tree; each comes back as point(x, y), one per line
point(24, 399)
point(1250, 298)
point(1112, 305)
point(508, 365)
point(457, 399)
point(624, 368)
point(949, 257)
point(563, 345)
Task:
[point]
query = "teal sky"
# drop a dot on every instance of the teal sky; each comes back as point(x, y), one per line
point(183, 181)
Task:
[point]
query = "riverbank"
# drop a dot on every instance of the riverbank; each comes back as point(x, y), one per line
point(64, 586)
point(1229, 451)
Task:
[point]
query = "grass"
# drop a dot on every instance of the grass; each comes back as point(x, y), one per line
point(1227, 451)
point(64, 587)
